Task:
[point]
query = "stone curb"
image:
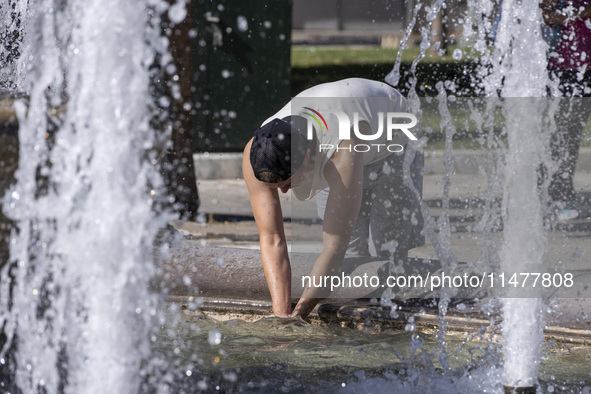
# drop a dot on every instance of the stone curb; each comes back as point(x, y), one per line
point(218, 165)
point(236, 274)
point(466, 162)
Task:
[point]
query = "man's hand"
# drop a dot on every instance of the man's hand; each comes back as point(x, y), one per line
point(304, 307)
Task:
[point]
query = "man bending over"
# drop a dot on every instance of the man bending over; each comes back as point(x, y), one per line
point(353, 164)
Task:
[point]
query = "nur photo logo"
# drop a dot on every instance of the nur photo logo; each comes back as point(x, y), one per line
point(387, 124)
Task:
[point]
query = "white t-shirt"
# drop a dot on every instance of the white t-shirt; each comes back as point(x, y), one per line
point(365, 97)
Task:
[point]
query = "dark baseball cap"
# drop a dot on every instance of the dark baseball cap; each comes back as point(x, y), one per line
point(279, 148)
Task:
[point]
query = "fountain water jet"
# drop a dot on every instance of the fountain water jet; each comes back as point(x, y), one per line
point(75, 303)
point(519, 51)
point(515, 69)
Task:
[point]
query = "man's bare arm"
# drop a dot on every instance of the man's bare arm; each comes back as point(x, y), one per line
point(269, 219)
point(344, 173)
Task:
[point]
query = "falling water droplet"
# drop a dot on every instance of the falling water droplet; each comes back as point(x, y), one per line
point(242, 23)
point(214, 337)
point(177, 12)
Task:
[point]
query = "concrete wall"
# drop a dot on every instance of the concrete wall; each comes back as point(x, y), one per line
point(381, 15)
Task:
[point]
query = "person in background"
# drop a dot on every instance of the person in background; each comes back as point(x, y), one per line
point(569, 64)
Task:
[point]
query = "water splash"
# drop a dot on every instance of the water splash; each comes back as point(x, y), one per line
point(516, 68)
point(431, 13)
point(75, 303)
point(519, 50)
point(13, 13)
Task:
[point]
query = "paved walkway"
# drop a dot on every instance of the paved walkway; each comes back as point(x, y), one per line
point(227, 220)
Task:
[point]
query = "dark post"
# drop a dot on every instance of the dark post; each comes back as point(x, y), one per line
point(178, 168)
point(9, 151)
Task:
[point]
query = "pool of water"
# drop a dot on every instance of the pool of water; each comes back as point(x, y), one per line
point(292, 355)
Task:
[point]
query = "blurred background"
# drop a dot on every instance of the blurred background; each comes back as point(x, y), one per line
point(241, 61)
